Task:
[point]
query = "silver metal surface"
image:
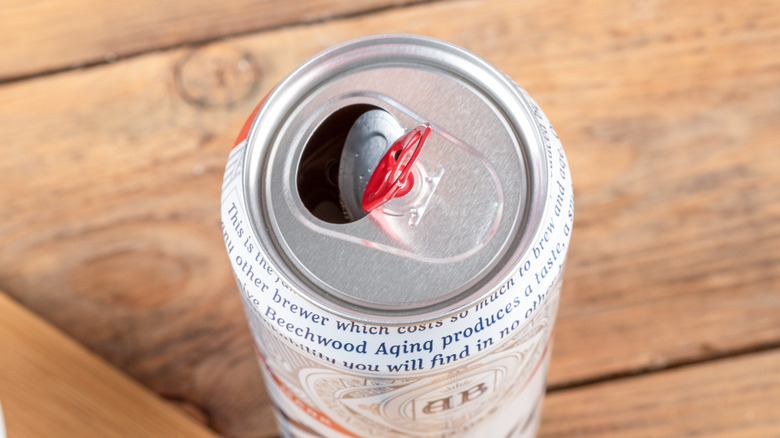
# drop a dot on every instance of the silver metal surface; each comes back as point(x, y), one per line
point(483, 172)
point(368, 139)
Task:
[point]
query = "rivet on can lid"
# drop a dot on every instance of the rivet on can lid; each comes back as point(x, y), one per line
point(392, 177)
point(368, 139)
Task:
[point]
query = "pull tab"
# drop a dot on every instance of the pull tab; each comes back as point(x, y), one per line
point(392, 176)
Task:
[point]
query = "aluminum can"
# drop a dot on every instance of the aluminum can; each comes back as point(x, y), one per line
point(431, 313)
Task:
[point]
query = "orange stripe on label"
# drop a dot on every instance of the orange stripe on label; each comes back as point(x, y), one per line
point(312, 412)
point(244, 133)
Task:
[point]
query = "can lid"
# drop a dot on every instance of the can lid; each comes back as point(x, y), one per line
point(460, 228)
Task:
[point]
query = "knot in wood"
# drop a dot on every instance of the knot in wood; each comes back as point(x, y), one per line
point(217, 75)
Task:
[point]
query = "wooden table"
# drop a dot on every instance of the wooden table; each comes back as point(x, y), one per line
point(117, 117)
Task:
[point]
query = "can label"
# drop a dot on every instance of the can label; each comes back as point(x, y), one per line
point(333, 376)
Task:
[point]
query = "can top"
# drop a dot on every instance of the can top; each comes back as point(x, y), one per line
point(478, 186)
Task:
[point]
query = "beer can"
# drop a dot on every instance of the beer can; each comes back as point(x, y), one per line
point(397, 213)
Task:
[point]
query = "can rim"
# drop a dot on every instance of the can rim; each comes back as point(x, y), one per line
point(516, 110)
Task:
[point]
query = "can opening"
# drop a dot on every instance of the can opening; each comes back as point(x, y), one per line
point(318, 171)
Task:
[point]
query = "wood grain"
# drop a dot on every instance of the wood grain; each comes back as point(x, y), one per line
point(668, 112)
point(50, 35)
point(734, 398)
point(51, 386)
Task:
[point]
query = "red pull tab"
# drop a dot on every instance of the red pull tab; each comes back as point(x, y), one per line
point(392, 176)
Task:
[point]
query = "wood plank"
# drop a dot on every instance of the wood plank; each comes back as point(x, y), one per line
point(676, 253)
point(111, 227)
point(733, 398)
point(49, 35)
point(52, 386)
